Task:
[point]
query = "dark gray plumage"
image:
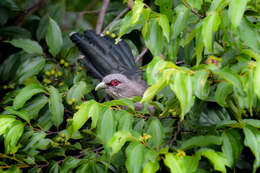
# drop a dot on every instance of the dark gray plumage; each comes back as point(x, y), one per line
point(112, 63)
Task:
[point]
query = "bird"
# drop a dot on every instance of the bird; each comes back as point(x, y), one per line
point(113, 63)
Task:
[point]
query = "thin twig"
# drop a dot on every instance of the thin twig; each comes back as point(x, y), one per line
point(175, 134)
point(140, 56)
point(179, 62)
point(204, 7)
point(192, 9)
point(28, 11)
point(101, 15)
point(116, 19)
point(89, 12)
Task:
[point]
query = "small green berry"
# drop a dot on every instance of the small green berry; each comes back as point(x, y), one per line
point(112, 35)
point(5, 87)
point(61, 84)
point(66, 64)
point(59, 73)
point(62, 61)
point(47, 73)
point(52, 72)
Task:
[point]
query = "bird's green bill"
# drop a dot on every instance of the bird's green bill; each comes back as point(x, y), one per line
point(101, 85)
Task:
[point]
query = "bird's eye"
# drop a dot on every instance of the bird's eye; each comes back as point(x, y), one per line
point(114, 82)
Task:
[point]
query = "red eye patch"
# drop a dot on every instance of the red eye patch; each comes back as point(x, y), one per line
point(114, 82)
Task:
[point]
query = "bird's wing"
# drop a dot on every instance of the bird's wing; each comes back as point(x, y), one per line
point(104, 56)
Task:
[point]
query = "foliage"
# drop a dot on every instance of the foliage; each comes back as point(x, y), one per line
point(207, 108)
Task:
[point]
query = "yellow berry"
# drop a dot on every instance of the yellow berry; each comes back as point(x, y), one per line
point(66, 64)
point(46, 80)
point(52, 72)
point(47, 73)
point(62, 61)
point(59, 73)
point(70, 102)
point(61, 84)
point(5, 86)
point(112, 35)
point(107, 32)
point(11, 86)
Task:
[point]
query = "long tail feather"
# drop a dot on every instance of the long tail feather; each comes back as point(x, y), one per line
point(104, 55)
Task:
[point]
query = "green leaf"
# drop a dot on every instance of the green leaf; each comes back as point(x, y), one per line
point(249, 35)
point(154, 37)
point(201, 141)
point(153, 90)
point(232, 78)
point(118, 140)
point(106, 126)
point(236, 10)
point(34, 106)
point(44, 120)
point(166, 7)
point(77, 91)
point(137, 11)
point(54, 37)
point(5, 122)
point(182, 87)
point(86, 110)
point(134, 157)
point(179, 22)
point(201, 84)
point(69, 164)
point(216, 158)
point(252, 140)
point(195, 3)
point(232, 146)
point(156, 131)
point(256, 80)
point(27, 45)
point(253, 122)
point(164, 23)
point(210, 25)
point(175, 163)
point(224, 89)
point(12, 135)
point(191, 163)
point(21, 113)
point(56, 107)
point(151, 167)
point(33, 141)
point(153, 69)
point(125, 121)
point(121, 102)
point(25, 94)
point(218, 5)
point(30, 67)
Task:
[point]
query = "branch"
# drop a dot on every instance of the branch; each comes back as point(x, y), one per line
point(88, 12)
point(192, 9)
point(140, 56)
point(175, 134)
point(116, 19)
point(101, 15)
point(28, 11)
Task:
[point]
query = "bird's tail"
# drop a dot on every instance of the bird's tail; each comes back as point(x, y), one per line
point(102, 56)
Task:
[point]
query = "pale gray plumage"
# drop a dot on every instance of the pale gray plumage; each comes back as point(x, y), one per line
point(113, 63)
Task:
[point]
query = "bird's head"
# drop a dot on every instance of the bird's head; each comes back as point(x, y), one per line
point(119, 86)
